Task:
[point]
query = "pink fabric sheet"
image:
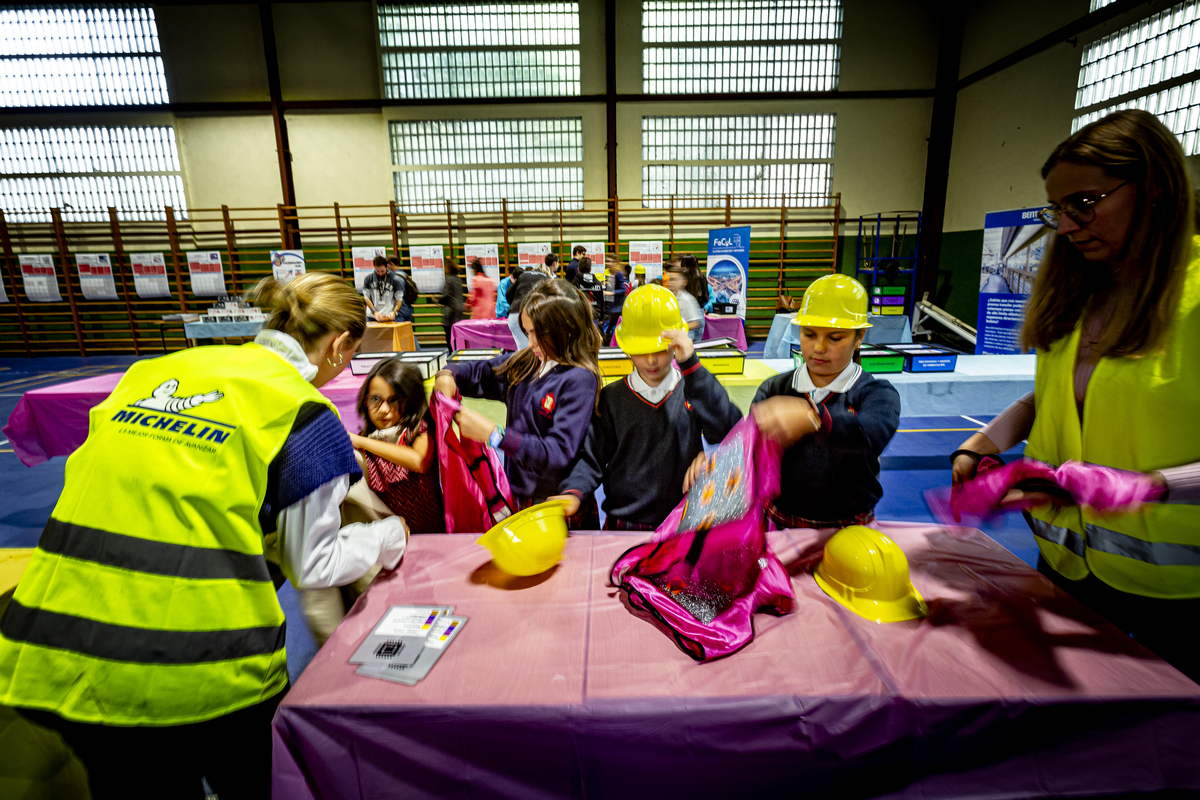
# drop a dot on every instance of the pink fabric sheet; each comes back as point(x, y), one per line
point(53, 421)
point(469, 333)
point(1008, 688)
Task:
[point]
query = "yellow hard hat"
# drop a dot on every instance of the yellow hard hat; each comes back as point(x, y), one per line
point(530, 541)
point(640, 268)
point(648, 311)
point(867, 573)
point(834, 301)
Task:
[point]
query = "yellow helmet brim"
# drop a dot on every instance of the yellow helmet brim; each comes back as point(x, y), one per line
point(852, 322)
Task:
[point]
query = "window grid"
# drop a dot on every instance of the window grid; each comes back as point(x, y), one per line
point(84, 171)
point(1177, 107)
point(705, 46)
point(450, 50)
point(80, 56)
point(1099, 4)
point(750, 185)
point(525, 188)
point(1161, 47)
point(487, 141)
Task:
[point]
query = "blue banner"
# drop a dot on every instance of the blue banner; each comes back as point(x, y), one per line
point(1013, 244)
point(729, 266)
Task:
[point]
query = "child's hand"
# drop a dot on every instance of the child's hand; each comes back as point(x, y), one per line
point(473, 425)
point(699, 467)
point(964, 468)
point(681, 344)
point(444, 383)
point(786, 419)
point(358, 441)
point(570, 503)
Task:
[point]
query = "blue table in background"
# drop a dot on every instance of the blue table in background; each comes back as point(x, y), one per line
point(220, 330)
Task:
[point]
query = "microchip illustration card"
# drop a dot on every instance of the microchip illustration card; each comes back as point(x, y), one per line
point(400, 635)
point(443, 633)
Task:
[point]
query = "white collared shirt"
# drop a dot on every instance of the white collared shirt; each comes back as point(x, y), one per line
point(547, 365)
point(289, 350)
point(654, 394)
point(802, 382)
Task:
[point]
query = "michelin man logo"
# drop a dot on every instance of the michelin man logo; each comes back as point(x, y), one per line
point(164, 399)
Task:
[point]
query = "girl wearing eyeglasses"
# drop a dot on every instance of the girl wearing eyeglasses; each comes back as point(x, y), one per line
point(1115, 319)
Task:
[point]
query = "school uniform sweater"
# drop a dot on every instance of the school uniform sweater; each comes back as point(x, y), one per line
point(640, 451)
point(833, 474)
point(547, 420)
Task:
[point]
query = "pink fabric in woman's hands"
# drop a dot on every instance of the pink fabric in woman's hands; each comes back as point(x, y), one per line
point(1107, 489)
point(984, 492)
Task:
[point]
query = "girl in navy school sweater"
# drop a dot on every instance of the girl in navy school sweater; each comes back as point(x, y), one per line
point(550, 388)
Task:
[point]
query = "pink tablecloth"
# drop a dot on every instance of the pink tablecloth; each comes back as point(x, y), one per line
point(554, 689)
point(53, 421)
point(482, 333)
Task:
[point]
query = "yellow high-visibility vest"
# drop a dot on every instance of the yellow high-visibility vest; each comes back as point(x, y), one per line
point(1139, 414)
point(147, 601)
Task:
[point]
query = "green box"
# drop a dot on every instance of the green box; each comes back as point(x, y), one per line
point(880, 360)
point(881, 290)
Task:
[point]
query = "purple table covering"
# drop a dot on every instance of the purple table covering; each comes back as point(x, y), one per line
point(53, 421)
point(482, 333)
point(555, 689)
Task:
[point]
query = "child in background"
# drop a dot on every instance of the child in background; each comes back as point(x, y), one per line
point(696, 282)
point(550, 389)
point(483, 293)
point(572, 269)
point(833, 419)
point(397, 444)
point(647, 433)
point(592, 289)
point(451, 300)
point(676, 279)
point(638, 278)
point(615, 298)
point(514, 271)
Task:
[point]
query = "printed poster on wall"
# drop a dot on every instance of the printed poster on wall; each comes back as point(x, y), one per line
point(96, 276)
point(287, 264)
point(729, 266)
point(1013, 243)
point(648, 255)
point(207, 274)
point(364, 263)
point(427, 268)
point(149, 275)
point(41, 283)
point(532, 254)
point(595, 251)
point(488, 255)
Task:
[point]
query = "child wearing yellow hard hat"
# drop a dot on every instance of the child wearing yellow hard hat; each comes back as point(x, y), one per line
point(833, 418)
point(648, 429)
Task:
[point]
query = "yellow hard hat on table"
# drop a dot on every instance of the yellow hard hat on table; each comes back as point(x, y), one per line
point(648, 311)
point(867, 572)
point(834, 301)
point(530, 541)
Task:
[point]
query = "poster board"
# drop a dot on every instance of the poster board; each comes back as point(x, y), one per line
point(206, 273)
point(728, 266)
point(489, 256)
point(149, 275)
point(287, 264)
point(364, 263)
point(532, 254)
point(96, 276)
point(428, 272)
point(649, 255)
point(40, 279)
point(1013, 244)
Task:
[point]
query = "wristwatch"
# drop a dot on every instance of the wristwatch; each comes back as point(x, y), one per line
point(496, 436)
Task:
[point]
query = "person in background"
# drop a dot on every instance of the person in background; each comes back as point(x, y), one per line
point(384, 292)
point(483, 293)
point(550, 389)
point(615, 299)
point(592, 289)
point(404, 311)
point(676, 279)
point(832, 418)
point(648, 429)
point(502, 291)
point(696, 284)
point(146, 629)
point(552, 264)
point(451, 300)
point(1115, 319)
point(517, 290)
point(577, 252)
point(638, 279)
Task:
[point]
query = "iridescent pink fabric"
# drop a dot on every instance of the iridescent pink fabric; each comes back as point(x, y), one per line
point(474, 485)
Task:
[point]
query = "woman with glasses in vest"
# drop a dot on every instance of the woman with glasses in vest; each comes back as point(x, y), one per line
point(1115, 319)
point(146, 629)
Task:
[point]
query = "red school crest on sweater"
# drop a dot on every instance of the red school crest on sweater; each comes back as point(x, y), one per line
point(546, 407)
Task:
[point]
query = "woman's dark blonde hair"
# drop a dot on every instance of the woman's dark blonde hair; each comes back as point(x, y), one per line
point(1132, 146)
point(310, 306)
point(561, 317)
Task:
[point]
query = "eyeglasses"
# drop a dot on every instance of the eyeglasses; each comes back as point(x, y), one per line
point(1082, 210)
point(375, 401)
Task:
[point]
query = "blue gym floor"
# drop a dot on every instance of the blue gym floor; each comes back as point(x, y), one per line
point(915, 460)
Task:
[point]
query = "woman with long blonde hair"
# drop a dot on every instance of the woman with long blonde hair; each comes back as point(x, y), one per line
point(1115, 320)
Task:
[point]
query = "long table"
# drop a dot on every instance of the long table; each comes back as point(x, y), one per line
point(495, 332)
point(555, 689)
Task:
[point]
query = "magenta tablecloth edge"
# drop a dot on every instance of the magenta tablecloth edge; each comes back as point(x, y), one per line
point(22, 433)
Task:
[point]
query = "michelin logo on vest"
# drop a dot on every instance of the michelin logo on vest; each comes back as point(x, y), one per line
point(170, 424)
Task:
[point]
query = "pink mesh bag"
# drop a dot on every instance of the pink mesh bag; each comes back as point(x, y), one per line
point(708, 568)
point(474, 486)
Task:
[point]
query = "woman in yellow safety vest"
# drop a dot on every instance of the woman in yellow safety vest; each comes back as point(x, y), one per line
point(146, 628)
point(1115, 319)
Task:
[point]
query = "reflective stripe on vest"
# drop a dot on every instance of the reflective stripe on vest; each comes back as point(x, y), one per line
point(1106, 540)
point(148, 601)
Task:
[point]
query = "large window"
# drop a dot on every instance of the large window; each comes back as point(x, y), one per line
point(532, 163)
point(1153, 65)
point(80, 56)
point(712, 46)
point(465, 50)
point(84, 171)
point(757, 160)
